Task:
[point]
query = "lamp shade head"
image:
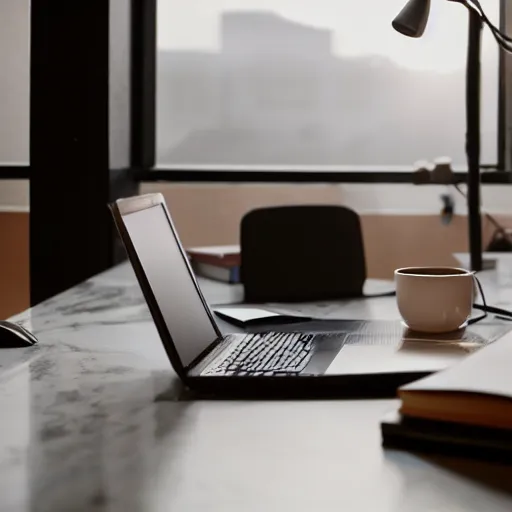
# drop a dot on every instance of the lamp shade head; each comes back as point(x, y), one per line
point(412, 19)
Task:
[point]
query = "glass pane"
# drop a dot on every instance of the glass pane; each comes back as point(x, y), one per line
point(302, 83)
point(14, 81)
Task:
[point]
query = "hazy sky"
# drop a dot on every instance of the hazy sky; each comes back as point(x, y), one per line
point(360, 27)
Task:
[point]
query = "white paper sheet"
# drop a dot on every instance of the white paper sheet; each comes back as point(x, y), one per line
point(361, 309)
point(245, 314)
point(371, 359)
point(370, 308)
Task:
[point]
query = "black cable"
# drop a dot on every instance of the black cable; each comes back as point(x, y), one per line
point(499, 228)
point(484, 307)
point(500, 313)
point(503, 40)
point(503, 314)
point(488, 21)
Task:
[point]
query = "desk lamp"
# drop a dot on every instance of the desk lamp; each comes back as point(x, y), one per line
point(411, 21)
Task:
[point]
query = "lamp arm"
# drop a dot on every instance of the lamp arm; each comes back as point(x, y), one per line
point(488, 216)
point(503, 40)
point(486, 20)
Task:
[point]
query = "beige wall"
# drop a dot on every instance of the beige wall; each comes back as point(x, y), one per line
point(14, 149)
point(14, 253)
point(211, 215)
point(14, 268)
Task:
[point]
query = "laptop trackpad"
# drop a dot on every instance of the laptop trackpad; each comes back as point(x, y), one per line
point(406, 357)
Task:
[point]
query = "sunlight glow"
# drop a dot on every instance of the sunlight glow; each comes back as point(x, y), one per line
point(358, 27)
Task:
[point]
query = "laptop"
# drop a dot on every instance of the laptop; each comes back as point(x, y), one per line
point(362, 358)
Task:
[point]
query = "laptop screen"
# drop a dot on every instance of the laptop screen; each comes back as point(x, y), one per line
point(173, 287)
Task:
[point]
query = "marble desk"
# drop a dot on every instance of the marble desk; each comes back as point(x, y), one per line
point(82, 429)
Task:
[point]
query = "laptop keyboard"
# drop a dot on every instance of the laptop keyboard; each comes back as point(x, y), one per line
point(267, 354)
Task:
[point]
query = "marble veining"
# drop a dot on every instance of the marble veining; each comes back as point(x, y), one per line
point(85, 384)
point(79, 407)
point(82, 429)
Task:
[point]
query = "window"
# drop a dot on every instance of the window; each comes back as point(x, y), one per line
point(272, 84)
point(14, 82)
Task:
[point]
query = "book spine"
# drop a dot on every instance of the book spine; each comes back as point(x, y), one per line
point(234, 276)
point(218, 273)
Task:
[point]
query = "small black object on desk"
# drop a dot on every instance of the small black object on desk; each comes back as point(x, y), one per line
point(13, 335)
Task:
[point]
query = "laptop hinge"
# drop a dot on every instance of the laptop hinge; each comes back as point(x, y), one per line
point(210, 354)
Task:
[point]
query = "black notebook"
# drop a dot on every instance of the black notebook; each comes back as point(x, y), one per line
point(443, 438)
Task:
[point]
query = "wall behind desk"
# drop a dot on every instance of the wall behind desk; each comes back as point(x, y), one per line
point(14, 263)
point(206, 214)
point(409, 234)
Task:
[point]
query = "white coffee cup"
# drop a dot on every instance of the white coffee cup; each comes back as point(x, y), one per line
point(435, 299)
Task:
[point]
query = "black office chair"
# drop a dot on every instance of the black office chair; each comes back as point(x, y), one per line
point(302, 253)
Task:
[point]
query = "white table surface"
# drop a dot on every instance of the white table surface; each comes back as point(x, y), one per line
point(81, 429)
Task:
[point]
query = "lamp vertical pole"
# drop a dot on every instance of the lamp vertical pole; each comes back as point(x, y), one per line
point(473, 75)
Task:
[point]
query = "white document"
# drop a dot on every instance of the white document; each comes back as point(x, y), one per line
point(487, 372)
point(359, 309)
point(216, 249)
point(352, 309)
point(371, 359)
point(246, 314)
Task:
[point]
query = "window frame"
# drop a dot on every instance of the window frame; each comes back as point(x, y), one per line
point(144, 129)
point(14, 172)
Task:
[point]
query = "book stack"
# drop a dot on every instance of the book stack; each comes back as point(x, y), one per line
point(464, 411)
point(221, 262)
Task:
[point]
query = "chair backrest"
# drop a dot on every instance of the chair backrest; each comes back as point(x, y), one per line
point(302, 253)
